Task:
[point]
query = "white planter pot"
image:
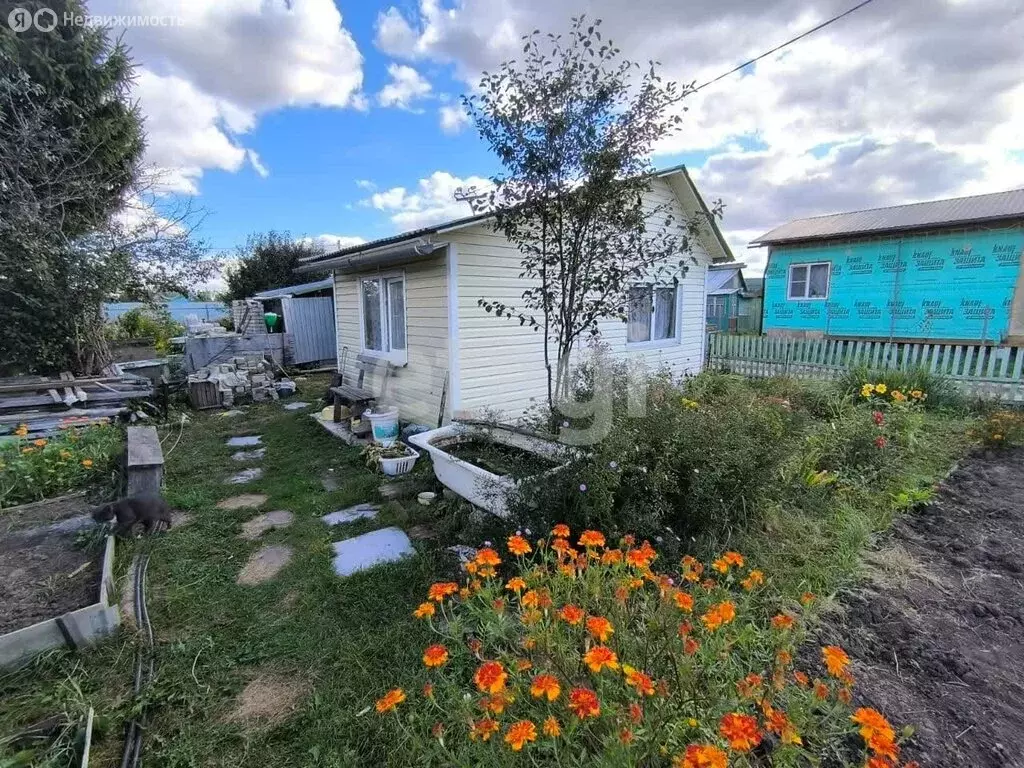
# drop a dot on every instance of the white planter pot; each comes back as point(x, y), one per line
point(476, 485)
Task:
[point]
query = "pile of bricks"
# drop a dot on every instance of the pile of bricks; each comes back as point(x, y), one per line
point(247, 377)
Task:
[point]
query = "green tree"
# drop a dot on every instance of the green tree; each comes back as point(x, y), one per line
point(268, 260)
point(574, 125)
point(79, 219)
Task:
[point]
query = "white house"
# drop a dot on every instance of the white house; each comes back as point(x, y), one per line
point(412, 300)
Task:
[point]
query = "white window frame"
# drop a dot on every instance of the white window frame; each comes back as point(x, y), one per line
point(807, 281)
point(396, 356)
point(676, 338)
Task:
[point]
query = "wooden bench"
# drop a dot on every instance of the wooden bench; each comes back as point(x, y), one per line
point(357, 397)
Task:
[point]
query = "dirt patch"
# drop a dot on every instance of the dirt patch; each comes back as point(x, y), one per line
point(42, 512)
point(180, 519)
point(269, 699)
point(253, 529)
point(243, 501)
point(265, 565)
point(43, 576)
point(938, 634)
point(289, 601)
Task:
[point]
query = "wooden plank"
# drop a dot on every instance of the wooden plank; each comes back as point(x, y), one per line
point(1018, 366)
point(44, 384)
point(993, 356)
point(957, 352)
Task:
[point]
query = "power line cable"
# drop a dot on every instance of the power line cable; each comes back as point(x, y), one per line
point(801, 36)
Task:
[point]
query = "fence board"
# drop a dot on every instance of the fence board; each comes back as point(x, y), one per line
point(978, 370)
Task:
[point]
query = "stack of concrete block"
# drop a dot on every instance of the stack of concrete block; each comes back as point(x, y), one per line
point(244, 377)
point(247, 316)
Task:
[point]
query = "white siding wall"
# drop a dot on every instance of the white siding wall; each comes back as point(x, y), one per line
point(416, 388)
point(502, 364)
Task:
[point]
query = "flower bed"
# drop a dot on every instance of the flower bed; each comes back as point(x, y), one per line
point(584, 655)
point(75, 459)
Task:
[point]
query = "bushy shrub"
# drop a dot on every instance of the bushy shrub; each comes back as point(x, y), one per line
point(153, 323)
point(692, 466)
point(77, 459)
point(941, 392)
point(1001, 429)
point(582, 655)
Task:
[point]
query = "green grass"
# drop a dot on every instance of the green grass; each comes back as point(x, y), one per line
point(346, 638)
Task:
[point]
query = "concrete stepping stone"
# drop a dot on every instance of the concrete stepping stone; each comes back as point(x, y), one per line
point(297, 406)
point(351, 514)
point(255, 455)
point(330, 481)
point(264, 564)
point(243, 501)
point(246, 476)
point(245, 441)
point(233, 412)
point(362, 552)
point(253, 529)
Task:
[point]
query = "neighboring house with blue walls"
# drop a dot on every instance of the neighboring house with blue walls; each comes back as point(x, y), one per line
point(733, 304)
point(937, 271)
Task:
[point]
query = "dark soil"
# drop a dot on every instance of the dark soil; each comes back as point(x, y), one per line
point(40, 513)
point(938, 636)
point(498, 458)
point(35, 577)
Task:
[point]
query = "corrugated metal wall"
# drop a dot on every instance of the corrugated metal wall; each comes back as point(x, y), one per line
point(310, 321)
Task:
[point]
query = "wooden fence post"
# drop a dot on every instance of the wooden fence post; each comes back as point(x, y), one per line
point(145, 461)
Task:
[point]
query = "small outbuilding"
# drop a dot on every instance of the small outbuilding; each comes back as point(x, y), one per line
point(306, 313)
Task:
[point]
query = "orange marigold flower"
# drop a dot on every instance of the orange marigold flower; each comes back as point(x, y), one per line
point(87, 463)
point(424, 611)
point(640, 681)
point(519, 733)
point(600, 627)
point(529, 643)
point(497, 703)
point(584, 703)
point(820, 690)
point(441, 590)
point(561, 546)
point(390, 700)
point(779, 723)
point(591, 539)
point(801, 678)
point(621, 593)
point(701, 756)
point(490, 677)
point(690, 646)
point(836, 660)
point(545, 685)
point(571, 614)
point(531, 599)
point(636, 712)
point(783, 658)
point(488, 557)
point(753, 579)
point(428, 690)
point(483, 729)
point(734, 558)
point(807, 598)
point(642, 556)
point(474, 645)
point(684, 601)
point(740, 731)
point(517, 545)
point(626, 736)
point(435, 656)
point(551, 727)
point(720, 565)
point(39, 443)
point(523, 664)
point(873, 723)
point(782, 621)
point(531, 616)
point(748, 687)
point(611, 557)
point(516, 584)
point(599, 657)
point(498, 605)
point(719, 615)
point(845, 695)
point(561, 531)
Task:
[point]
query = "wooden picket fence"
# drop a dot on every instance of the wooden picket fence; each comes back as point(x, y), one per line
point(979, 370)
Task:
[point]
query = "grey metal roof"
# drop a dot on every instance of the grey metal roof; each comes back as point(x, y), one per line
point(900, 218)
point(716, 278)
point(295, 290)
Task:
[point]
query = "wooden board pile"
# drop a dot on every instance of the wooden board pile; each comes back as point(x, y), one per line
point(47, 405)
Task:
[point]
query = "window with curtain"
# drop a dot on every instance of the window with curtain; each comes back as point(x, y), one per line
point(809, 281)
point(651, 315)
point(383, 310)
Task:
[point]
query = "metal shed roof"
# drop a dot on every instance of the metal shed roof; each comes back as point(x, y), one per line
point(957, 211)
point(295, 290)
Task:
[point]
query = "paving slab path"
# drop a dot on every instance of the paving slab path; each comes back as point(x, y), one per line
point(243, 501)
point(253, 529)
point(351, 514)
point(245, 441)
point(265, 564)
point(246, 476)
point(255, 455)
point(296, 406)
point(386, 545)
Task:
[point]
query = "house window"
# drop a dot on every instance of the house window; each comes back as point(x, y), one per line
point(809, 281)
point(716, 306)
point(652, 314)
point(382, 300)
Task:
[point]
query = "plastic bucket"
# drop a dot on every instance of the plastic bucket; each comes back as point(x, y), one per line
point(385, 426)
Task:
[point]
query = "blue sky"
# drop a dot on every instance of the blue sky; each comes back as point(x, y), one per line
point(338, 118)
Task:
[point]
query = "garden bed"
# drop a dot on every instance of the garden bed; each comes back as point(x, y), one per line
point(939, 632)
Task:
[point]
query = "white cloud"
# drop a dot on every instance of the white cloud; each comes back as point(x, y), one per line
point(433, 201)
point(453, 118)
point(257, 164)
point(888, 105)
point(333, 242)
point(405, 87)
point(205, 81)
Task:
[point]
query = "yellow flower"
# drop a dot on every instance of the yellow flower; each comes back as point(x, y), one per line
point(39, 443)
point(898, 396)
point(867, 390)
point(87, 463)
point(881, 389)
point(917, 394)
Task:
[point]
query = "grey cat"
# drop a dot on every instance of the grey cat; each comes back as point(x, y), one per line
point(150, 510)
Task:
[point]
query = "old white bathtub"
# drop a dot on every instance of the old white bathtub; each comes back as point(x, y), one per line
point(477, 485)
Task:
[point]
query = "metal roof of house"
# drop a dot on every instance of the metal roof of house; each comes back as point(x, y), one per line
point(345, 255)
point(717, 278)
point(295, 290)
point(900, 218)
